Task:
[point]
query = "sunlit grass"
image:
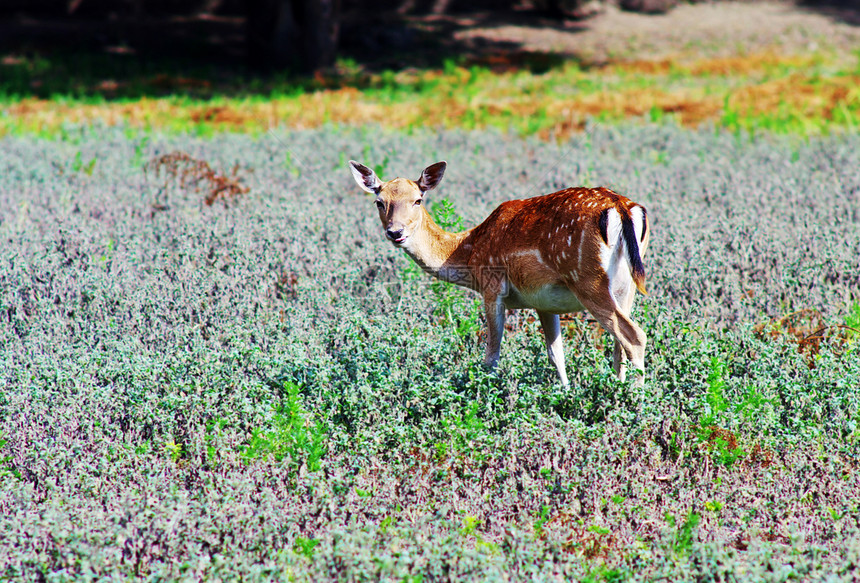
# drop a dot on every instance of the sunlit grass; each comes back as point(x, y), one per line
point(808, 94)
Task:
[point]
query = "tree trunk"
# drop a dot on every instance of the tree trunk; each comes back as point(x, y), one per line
point(299, 35)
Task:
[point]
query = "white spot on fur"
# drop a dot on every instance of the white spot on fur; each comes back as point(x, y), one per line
point(533, 252)
point(581, 245)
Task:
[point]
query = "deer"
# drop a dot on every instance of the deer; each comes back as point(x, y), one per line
point(572, 250)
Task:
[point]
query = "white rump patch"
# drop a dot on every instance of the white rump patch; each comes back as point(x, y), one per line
point(613, 259)
point(613, 237)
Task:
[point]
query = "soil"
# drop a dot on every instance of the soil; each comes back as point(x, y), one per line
point(689, 30)
point(714, 29)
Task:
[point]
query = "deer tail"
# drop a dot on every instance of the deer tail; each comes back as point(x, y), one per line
point(631, 241)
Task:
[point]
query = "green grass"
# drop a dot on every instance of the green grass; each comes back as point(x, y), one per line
point(267, 390)
point(809, 94)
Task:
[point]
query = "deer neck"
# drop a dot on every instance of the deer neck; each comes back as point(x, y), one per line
point(440, 253)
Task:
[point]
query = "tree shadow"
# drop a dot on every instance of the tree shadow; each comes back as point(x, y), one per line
point(847, 11)
point(205, 56)
point(397, 42)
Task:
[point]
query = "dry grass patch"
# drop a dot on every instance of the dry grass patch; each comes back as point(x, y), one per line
point(787, 93)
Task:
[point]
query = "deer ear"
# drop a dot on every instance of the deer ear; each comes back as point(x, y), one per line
point(365, 177)
point(432, 176)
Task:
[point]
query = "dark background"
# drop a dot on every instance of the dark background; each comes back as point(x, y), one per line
point(221, 39)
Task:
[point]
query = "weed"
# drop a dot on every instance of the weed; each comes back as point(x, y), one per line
point(446, 216)
point(722, 444)
point(305, 546)
point(381, 168)
point(715, 398)
point(140, 148)
point(174, 450)
point(470, 526)
point(852, 320)
point(197, 173)
point(6, 467)
point(292, 437)
point(683, 535)
point(78, 165)
point(455, 307)
point(214, 432)
point(293, 165)
point(542, 518)
point(466, 431)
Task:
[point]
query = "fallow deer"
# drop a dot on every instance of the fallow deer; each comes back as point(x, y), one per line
point(575, 249)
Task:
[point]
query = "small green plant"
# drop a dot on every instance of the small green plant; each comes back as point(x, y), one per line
point(715, 398)
point(454, 305)
point(852, 320)
point(446, 216)
point(683, 537)
point(382, 167)
point(292, 436)
point(174, 450)
point(542, 518)
point(603, 573)
point(465, 429)
point(385, 524)
point(470, 526)
point(214, 429)
point(293, 165)
point(305, 546)
point(78, 164)
point(6, 469)
point(722, 444)
point(140, 148)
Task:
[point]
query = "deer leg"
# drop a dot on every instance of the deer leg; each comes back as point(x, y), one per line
point(495, 310)
point(619, 358)
point(552, 335)
point(619, 362)
point(629, 337)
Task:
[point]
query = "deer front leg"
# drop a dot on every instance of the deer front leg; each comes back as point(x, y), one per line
point(552, 335)
point(495, 310)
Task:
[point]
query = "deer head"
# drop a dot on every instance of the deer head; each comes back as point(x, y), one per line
point(400, 201)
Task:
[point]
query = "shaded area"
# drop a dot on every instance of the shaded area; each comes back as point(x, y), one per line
point(847, 11)
point(123, 56)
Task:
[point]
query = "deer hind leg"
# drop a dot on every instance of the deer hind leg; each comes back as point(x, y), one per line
point(630, 340)
point(552, 335)
point(624, 299)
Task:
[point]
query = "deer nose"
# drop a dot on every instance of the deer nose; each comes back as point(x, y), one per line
point(395, 235)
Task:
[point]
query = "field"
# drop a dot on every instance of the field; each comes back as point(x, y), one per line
point(214, 367)
point(262, 386)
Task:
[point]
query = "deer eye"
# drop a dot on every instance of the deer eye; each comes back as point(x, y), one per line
point(380, 205)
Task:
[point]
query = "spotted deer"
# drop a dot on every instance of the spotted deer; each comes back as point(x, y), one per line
point(572, 250)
